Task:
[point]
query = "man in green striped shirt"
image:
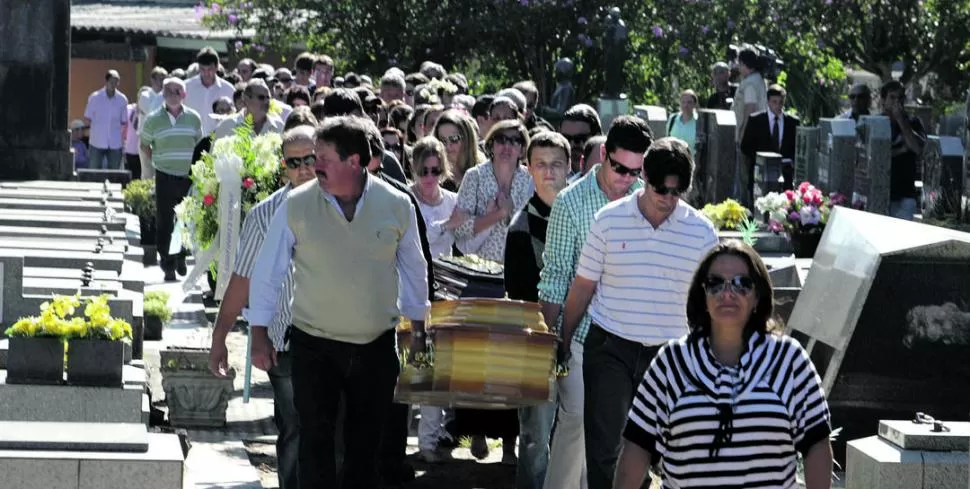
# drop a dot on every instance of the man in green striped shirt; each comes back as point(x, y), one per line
point(569, 223)
point(168, 137)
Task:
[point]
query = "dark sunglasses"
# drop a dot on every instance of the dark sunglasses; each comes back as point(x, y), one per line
point(453, 139)
point(576, 139)
point(434, 170)
point(296, 162)
point(740, 284)
point(513, 140)
point(660, 190)
point(623, 170)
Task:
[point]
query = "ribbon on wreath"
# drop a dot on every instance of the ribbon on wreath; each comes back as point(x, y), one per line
point(228, 169)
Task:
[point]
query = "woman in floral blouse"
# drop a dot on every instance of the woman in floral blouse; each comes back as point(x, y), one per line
point(493, 191)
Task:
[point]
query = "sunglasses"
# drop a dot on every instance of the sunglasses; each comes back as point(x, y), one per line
point(298, 161)
point(453, 139)
point(511, 140)
point(664, 191)
point(576, 139)
point(740, 284)
point(433, 170)
point(623, 170)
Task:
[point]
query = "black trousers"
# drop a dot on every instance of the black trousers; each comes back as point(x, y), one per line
point(133, 164)
point(612, 370)
point(169, 192)
point(365, 376)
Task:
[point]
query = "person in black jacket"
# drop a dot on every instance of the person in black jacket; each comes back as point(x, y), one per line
point(774, 131)
point(394, 468)
point(548, 158)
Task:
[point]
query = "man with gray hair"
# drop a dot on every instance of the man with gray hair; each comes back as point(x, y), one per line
point(270, 343)
point(392, 87)
point(723, 95)
point(168, 137)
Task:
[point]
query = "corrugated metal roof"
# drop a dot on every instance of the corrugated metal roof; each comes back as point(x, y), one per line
point(170, 18)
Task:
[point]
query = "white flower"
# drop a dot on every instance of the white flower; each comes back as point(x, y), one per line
point(810, 215)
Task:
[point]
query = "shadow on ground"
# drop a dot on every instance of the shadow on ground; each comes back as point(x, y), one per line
point(462, 474)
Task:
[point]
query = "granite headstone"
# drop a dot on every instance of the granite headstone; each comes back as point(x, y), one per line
point(806, 154)
point(874, 164)
point(767, 173)
point(716, 159)
point(656, 118)
point(886, 320)
point(837, 155)
point(942, 177)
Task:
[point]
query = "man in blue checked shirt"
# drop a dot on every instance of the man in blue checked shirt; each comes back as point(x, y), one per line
point(569, 222)
point(633, 277)
point(269, 344)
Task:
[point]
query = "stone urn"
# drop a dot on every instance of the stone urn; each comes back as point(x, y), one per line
point(195, 397)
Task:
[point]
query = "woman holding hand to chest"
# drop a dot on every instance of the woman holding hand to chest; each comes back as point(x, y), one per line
point(731, 403)
point(493, 191)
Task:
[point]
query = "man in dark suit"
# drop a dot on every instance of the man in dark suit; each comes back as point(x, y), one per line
point(773, 130)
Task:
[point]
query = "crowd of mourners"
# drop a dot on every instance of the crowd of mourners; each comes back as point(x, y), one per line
point(676, 364)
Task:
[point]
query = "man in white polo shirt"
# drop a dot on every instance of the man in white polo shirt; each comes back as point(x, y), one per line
point(633, 275)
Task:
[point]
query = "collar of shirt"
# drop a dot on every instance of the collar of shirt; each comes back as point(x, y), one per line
point(707, 370)
point(333, 200)
point(538, 208)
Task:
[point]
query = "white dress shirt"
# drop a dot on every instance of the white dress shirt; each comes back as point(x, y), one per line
point(201, 98)
point(107, 115)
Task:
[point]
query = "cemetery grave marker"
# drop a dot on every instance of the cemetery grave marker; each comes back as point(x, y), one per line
point(874, 164)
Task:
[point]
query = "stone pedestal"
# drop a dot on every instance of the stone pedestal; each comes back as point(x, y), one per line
point(767, 173)
point(717, 157)
point(35, 50)
point(806, 154)
point(874, 163)
point(942, 177)
point(909, 455)
point(837, 155)
point(195, 398)
point(656, 118)
point(611, 108)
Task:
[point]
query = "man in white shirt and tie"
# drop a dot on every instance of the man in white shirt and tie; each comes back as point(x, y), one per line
point(773, 130)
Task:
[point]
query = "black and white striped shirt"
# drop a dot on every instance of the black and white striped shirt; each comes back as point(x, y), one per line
point(250, 241)
point(716, 426)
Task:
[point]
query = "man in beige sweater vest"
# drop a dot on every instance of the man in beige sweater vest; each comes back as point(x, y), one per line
point(352, 241)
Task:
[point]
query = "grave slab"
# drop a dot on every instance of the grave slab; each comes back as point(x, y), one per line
point(130, 279)
point(716, 156)
point(65, 436)
point(806, 154)
point(60, 205)
point(65, 244)
point(874, 163)
point(61, 233)
point(942, 177)
point(90, 195)
point(67, 259)
point(60, 286)
point(21, 402)
point(60, 219)
point(837, 155)
point(63, 185)
point(161, 467)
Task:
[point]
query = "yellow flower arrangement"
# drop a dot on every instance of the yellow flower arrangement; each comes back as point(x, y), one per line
point(57, 320)
point(729, 214)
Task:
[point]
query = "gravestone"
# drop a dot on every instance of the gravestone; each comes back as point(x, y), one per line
point(964, 210)
point(717, 162)
point(611, 108)
point(767, 173)
point(886, 321)
point(874, 164)
point(837, 155)
point(806, 154)
point(656, 118)
point(35, 51)
point(942, 177)
point(953, 125)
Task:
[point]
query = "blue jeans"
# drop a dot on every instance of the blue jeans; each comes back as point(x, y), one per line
point(535, 428)
point(287, 422)
point(100, 158)
point(903, 208)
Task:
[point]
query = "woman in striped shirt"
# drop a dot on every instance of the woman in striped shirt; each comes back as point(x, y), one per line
point(731, 403)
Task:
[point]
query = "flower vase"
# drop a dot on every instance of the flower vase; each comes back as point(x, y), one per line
point(804, 244)
point(35, 361)
point(95, 362)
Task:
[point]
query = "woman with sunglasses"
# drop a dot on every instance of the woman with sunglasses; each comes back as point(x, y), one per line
point(493, 191)
point(731, 403)
point(459, 134)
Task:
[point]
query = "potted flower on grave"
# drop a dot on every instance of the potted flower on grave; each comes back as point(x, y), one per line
point(37, 343)
point(96, 346)
point(140, 200)
point(729, 215)
point(157, 314)
point(801, 214)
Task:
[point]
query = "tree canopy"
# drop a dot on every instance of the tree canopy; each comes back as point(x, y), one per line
point(673, 43)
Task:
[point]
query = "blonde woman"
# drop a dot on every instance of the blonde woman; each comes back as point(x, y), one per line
point(493, 191)
point(459, 134)
point(683, 124)
point(430, 168)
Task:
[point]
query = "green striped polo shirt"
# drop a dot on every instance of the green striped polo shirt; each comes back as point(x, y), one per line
point(172, 143)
